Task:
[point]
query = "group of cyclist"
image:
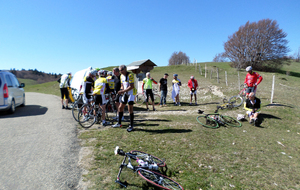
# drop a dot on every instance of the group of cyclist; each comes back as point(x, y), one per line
point(120, 84)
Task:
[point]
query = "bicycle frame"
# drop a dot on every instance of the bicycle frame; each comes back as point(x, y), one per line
point(129, 165)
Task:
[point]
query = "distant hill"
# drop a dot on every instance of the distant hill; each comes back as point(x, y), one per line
point(38, 76)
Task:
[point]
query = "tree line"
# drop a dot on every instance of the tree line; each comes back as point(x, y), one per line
point(34, 74)
point(262, 45)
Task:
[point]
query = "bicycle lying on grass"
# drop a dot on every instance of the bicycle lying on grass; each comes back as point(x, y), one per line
point(214, 120)
point(147, 163)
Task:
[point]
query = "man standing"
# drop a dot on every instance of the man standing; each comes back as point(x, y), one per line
point(88, 85)
point(176, 89)
point(147, 85)
point(117, 87)
point(193, 85)
point(127, 86)
point(163, 87)
point(64, 84)
point(252, 80)
point(252, 105)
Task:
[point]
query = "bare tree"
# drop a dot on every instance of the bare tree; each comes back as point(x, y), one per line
point(219, 58)
point(179, 58)
point(259, 44)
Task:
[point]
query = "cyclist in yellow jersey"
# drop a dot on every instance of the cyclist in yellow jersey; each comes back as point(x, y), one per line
point(101, 87)
point(147, 86)
point(127, 86)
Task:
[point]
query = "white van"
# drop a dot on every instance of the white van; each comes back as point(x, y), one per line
point(11, 92)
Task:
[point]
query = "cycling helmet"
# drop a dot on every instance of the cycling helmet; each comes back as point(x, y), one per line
point(109, 73)
point(101, 73)
point(249, 68)
point(93, 72)
point(175, 75)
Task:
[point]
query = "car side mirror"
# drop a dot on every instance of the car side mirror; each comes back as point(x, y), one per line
point(22, 85)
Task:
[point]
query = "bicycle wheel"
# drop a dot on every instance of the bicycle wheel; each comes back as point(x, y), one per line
point(156, 99)
point(149, 158)
point(231, 121)
point(236, 101)
point(75, 110)
point(86, 116)
point(207, 121)
point(159, 180)
point(139, 99)
point(111, 112)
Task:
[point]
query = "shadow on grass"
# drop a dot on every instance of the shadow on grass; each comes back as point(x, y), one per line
point(290, 73)
point(278, 105)
point(28, 110)
point(262, 117)
point(142, 120)
point(162, 131)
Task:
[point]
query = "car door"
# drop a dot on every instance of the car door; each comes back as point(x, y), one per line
point(1, 90)
point(17, 89)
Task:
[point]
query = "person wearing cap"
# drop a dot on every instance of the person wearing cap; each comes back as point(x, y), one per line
point(163, 88)
point(64, 84)
point(193, 85)
point(252, 106)
point(147, 86)
point(176, 83)
point(252, 80)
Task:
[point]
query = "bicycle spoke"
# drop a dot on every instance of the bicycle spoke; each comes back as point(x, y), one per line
point(149, 158)
point(86, 116)
point(231, 121)
point(207, 121)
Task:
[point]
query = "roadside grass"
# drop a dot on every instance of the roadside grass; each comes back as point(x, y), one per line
point(249, 157)
point(45, 88)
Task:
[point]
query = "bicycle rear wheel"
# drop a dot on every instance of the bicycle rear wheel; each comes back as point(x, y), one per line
point(207, 121)
point(75, 110)
point(236, 101)
point(156, 99)
point(159, 180)
point(149, 158)
point(231, 121)
point(86, 116)
point(111, 113)
point(139, 99)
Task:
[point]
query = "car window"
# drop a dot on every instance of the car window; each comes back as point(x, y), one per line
point(8, 81)
point(15, 81)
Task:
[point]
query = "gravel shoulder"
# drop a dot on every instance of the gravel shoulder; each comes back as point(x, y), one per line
point(39, 146)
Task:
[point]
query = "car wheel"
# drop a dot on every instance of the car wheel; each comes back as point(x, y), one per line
point(12, 108)
point(23, 104)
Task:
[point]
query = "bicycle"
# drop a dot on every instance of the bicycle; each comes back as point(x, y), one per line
point(89, 114)
point(148, 166)
point(226, 104)
point(214, 120)
point(140, 98)
point(238, 100)
point(76, 106)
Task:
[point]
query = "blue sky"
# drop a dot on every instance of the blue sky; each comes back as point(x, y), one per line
point(58, 36)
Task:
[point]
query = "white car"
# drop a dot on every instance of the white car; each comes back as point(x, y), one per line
point(11, 92)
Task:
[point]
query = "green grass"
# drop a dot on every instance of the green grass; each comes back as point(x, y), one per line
point(200, 158)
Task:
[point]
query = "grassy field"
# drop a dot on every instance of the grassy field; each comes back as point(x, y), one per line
point(249, 157)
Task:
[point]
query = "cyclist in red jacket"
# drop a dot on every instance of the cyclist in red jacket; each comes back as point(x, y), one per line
point(193, 85)
point(252, 80)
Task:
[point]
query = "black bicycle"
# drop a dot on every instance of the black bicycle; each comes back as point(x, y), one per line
point(214, 120)
point(147, 168)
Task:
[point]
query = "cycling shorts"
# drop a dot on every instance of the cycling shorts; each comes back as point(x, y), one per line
point(87, 98)
point(64, 93)
point(193, 91)
point(100, 99)
point(128, 99)
point(149, 93)
point(251, 89)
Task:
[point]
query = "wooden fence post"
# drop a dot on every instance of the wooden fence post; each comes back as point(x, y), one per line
point(239, 82)
point(273, 86)
point(205, 71)
point(211, 73)
point(226, 78)
point(218, 75)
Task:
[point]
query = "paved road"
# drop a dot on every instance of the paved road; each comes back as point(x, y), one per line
point(38, 146)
